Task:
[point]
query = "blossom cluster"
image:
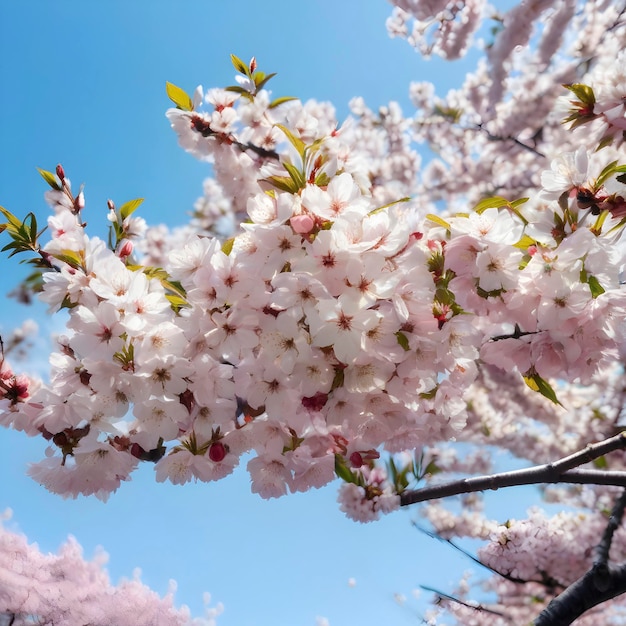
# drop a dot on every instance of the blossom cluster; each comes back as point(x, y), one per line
point(328, 327)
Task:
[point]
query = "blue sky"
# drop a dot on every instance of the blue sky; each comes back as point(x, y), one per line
point(83, 84)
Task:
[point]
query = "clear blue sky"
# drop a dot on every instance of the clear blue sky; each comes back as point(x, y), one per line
point(82, 83)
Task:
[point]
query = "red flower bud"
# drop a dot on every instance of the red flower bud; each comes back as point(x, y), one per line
point(356, 460)
point(217, 452)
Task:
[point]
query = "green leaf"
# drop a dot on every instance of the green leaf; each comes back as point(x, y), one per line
point(13, 223)
point(322, 179)
point(518, 202)
point(278, 101)
point(438, 220)
point(260, 79)
point(176, 302)
point(595, 287)
point(432, 468)
point(494, 202)
point(296, 175)
point(126, 356)
point(583, 92)
point(244, 93)
point(343, 471)
point(600, 463)
point(239, 65)
point(296, 142)
point(393, 470)
point(452, 114)
point(128, 208)
point(429, 395)
point(536, 383)
point(284, 183)
point(402, 340)
point(50, 178)
point(227, 246)
point(179, 97)
point(525, 242)
point(607, 172)
point(386, 206)
point(71, 257)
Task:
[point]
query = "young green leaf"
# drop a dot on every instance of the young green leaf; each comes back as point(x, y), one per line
point(583, 92)
point(239, 65)
point(50, 178)
point(438, 220)
point(227, 246)
point(607, 172)
point(179, 97)
point(536, 383)
point(296, 142)
point(494, 202)
point(284, 183)
point(343, 471)
point(128, 208)
point(278, 101)
point(595, 287)
point(296, 175)
point(402, 340)
point(71, 257)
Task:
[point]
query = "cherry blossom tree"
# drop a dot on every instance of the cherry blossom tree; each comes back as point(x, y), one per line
point(334, 299)
point(64, 589)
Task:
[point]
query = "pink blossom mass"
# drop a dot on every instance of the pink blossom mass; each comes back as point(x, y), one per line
point(340, 307)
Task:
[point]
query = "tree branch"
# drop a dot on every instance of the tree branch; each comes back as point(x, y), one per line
point(473, 558)
point(601, 583)
point(515, 140)
point(560, 471)
point(475, 607)
point(617, 514)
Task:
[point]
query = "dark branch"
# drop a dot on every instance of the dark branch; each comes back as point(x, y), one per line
point(601, 583)
point(617, 514)
point(560, 471)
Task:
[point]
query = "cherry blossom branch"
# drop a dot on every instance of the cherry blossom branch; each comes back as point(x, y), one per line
point(476, 607)
point(470, 556)
point(515, 140)
point(201, 125)
point(559, 471)
point(601, 583)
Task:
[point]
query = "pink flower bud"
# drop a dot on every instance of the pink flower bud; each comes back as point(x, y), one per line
point(60, 172)
point(79, 202)
point(124, 248)
point(302, 224)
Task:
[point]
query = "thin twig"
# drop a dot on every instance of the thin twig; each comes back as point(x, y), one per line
point(475, 607)
point(515, 140)
point(470, 556)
